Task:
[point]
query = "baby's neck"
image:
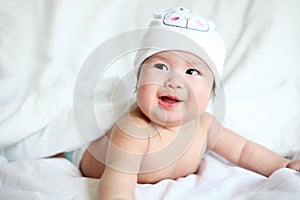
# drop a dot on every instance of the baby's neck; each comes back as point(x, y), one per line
point(191, 125)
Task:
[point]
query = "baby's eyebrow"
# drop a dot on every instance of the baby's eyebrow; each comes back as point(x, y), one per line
point(156, 58)
point(159, 57)
point(200, 66)
point(197, 64)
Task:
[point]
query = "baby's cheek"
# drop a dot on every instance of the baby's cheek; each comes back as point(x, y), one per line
point(200, 88)
point(151, 77)
point(201, 96)
point(145, 97)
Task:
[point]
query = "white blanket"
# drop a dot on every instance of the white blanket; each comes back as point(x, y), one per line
point(58, 179)
point(44, 44)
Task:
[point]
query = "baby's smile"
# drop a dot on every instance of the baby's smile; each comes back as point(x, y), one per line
point(169, 102)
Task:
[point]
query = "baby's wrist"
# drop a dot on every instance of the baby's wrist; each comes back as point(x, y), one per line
point(294, 165)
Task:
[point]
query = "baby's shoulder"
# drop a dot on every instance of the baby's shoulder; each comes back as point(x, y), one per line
point(206, 119)
point(129, 133)
point(133, 124)
point(209, 122)
point(134, 117)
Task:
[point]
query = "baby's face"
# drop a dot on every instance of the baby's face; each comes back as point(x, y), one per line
point(174, 87)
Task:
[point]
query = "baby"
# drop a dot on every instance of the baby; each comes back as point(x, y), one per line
point(166, 133)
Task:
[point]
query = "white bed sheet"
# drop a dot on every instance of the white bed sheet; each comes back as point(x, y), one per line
point(39, 68)
point(58, 179)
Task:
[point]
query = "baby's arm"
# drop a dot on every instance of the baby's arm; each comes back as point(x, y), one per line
point(124, 156)
point(245, 153)
point(115, 184)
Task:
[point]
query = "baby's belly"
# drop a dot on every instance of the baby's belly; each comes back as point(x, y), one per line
point(180, 168)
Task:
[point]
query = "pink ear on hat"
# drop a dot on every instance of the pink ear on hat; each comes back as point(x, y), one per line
point(181, 18)
point(179, 29)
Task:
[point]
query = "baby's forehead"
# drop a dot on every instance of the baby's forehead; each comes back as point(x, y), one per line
point(184, 56)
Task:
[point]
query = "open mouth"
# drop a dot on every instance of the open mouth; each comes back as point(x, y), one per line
point(169, 101)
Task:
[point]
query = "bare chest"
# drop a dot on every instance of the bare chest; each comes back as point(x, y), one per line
point(172, 157)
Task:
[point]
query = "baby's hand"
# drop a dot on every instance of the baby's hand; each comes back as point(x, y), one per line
point(294, 165)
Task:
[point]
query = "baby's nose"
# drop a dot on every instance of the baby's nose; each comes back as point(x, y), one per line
point(174, 81)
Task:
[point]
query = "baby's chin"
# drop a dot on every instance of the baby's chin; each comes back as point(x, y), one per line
point(170, 118)
point(172, 123)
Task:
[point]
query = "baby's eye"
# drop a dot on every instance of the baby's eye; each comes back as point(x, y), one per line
point(161, 66)
point(192, 72)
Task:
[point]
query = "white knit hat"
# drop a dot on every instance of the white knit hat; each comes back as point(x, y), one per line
point(179, 29)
